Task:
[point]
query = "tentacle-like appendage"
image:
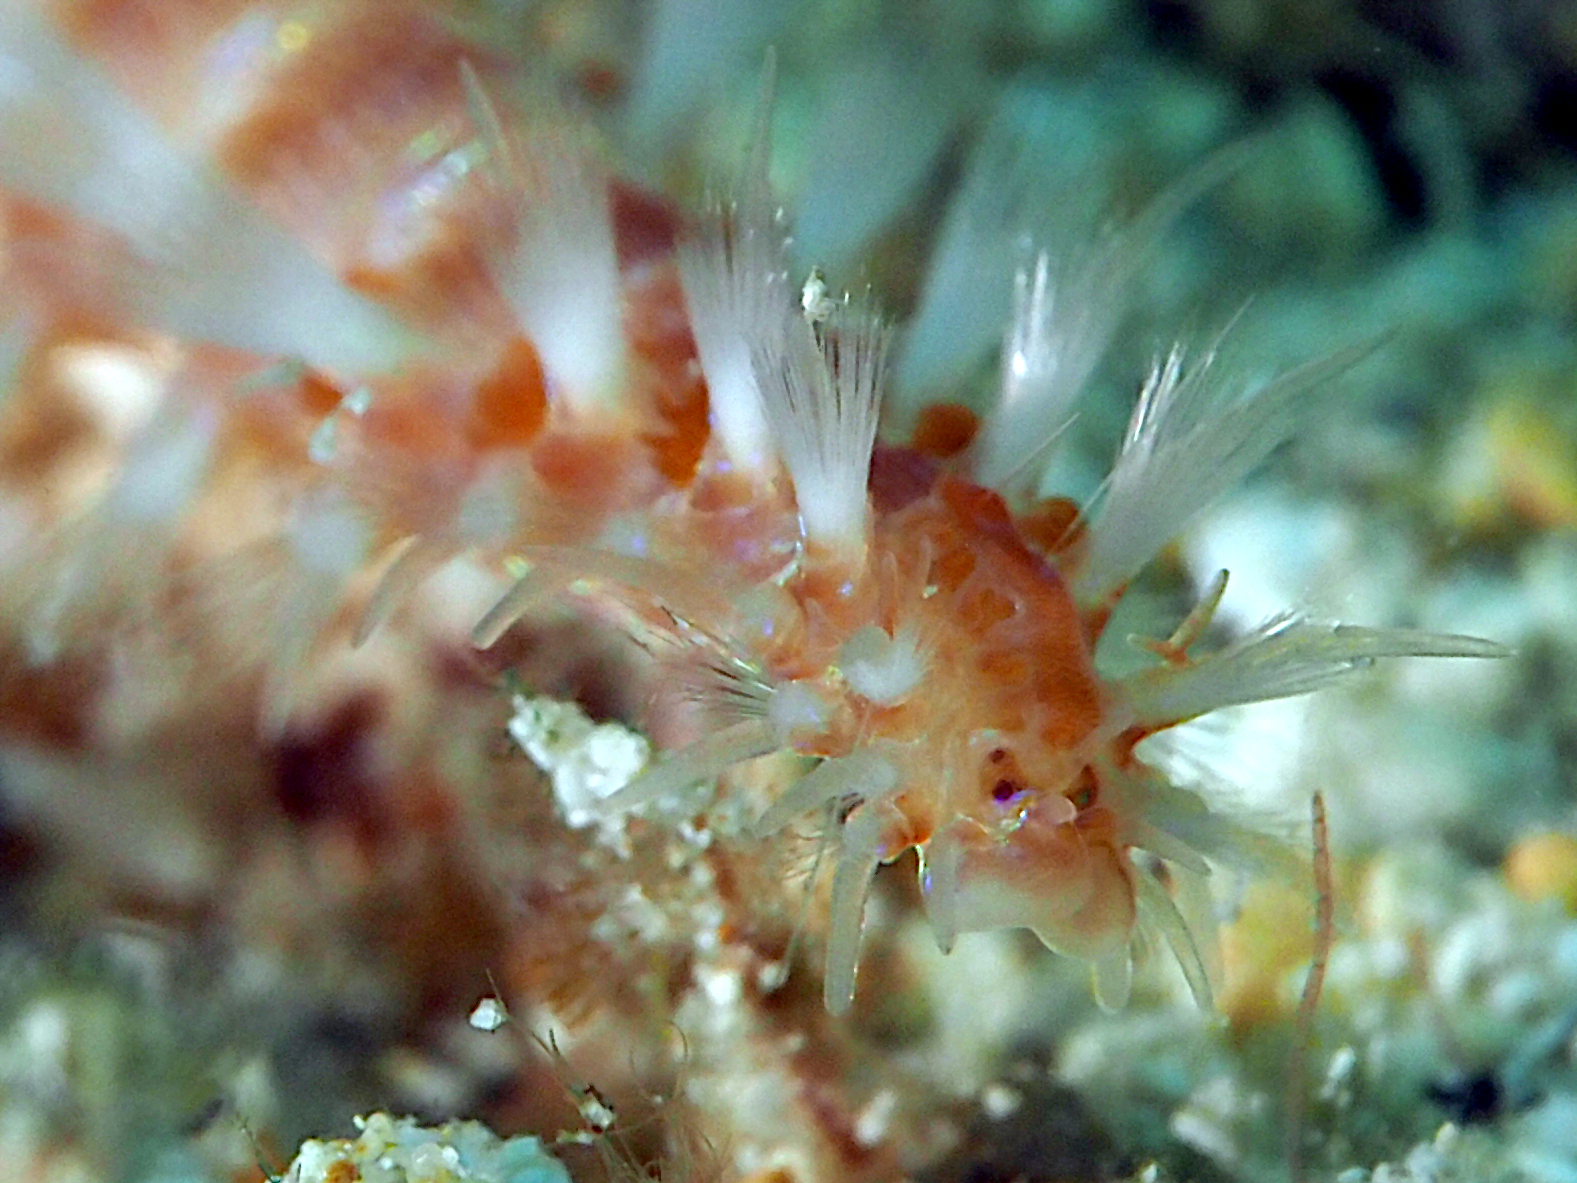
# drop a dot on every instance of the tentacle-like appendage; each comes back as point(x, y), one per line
point(1112, 974)
point(858, 859)
point(1158, 911)
point(1286, 656)
point(700, 762)
point(527, 592)
point(863, 775)
point(417, 559)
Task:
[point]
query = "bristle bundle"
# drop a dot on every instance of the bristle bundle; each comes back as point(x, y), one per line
point(734, 269)
point(822, 391)
point(219, 270)
point(1190, 439)
point(1288, 655)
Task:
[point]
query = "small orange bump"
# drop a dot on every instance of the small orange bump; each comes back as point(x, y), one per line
point(676, 451)
point(1051, 525)
point(985, 608)
point(511, 402)
point(342, 1172)
point(319, 396)
point(1544, 867)
point(945, 430)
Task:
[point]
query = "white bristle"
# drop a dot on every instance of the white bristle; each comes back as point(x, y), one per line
point(1067, 306)
point(1286, 656)
point(965, 297)
point(221, 272)
point(822, 391)
point(560, 272)
point(736, 286)
point(1190, 439)
point(1061, 325)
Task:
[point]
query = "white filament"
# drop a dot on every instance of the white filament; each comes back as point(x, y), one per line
point(822, 393)
point(1190, 439)
point(1288, 655)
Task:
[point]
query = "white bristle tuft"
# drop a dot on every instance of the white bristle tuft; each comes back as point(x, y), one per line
point(735, 277)
point(1286, 656)
point(822, 392)
point(964, 298)
point(1067, 307)
point(1190, 439)
point(885, 669)
point(220, 271)
point(560, 272)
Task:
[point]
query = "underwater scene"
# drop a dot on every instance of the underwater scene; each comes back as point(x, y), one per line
point(788, 591)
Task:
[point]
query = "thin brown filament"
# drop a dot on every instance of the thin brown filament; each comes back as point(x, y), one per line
point(1303, 1028)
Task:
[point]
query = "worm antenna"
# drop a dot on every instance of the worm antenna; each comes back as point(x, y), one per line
point(857, 862)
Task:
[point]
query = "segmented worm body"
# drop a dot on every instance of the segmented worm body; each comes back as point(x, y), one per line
point(405, 305)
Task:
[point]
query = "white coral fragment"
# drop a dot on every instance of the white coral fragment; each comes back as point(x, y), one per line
point(588, 762)
point(400, 1150)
